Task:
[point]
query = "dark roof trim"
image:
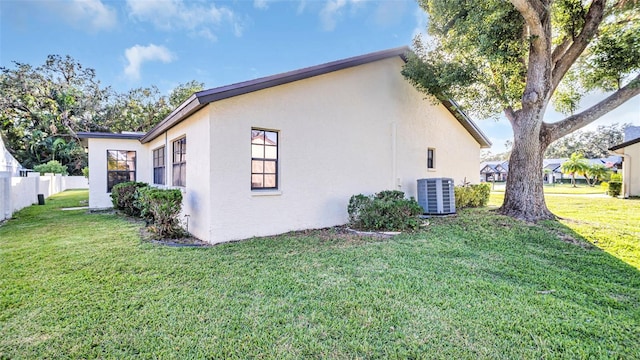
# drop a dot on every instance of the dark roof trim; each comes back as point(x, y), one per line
point(103, 135)
point(625, 144)
point(200, 99)
point(467, 123)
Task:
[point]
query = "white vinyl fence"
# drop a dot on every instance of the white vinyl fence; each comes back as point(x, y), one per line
point(19, 192)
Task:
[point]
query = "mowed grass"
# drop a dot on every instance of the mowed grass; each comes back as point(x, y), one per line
point(609, 223)
point(477, 285)
point(561, 189)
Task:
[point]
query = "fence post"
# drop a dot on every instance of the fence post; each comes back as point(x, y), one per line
point(5, 195)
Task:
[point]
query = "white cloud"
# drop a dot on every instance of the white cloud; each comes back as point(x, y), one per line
point(260, 4)
point(198, 18)
point(334, 9)
point(422, 21)
point(138, 54)
point(80, 12)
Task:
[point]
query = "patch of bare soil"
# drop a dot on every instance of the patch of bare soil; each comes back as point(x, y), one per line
point(572, 240)
point(187, 241)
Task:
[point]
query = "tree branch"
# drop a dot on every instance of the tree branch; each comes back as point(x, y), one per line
point(560, 50)
point(554, 131)
point(593, 18)
point(510, 114)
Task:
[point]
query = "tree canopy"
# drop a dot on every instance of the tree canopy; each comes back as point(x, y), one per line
point(43, 108)
point(518, 57)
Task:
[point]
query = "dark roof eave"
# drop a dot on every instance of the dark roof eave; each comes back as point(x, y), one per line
point(624, 144)
point(467, 123)
point(202, 98)
point(104, 135)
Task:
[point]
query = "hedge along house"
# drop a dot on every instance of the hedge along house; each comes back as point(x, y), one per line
point(286, 152)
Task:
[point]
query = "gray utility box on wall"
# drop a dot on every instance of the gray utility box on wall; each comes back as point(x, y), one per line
point(436, 196)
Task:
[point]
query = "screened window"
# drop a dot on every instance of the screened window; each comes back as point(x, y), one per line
point(431, 158)
point(180, 162)
point(264, 159)
point(158, 166)
point(121, 167)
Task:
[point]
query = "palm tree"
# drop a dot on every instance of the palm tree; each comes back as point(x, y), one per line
point(598, 172)
point(576, 164)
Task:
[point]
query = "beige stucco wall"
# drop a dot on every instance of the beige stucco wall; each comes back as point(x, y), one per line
point(98, 196)
point(631, 170)
point(358, 130)
point(195, 205)
point(353, 131)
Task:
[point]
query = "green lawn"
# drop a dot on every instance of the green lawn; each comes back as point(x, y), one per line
point(561, 189)
point(477, 285)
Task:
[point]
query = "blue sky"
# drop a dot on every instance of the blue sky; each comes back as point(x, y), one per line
point(137, 43)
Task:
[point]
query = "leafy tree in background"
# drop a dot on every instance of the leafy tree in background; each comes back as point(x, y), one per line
point(39, 105)
point(515, 57)
point(598, 172)
point(43, 108)
point(575, 165)
point(593, 144)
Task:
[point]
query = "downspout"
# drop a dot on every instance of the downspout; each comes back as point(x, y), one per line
point(626, 175)
point(395, 180)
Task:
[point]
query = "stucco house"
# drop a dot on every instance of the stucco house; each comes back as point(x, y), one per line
point(286, 152)
point(494, 171)
point(630, 152)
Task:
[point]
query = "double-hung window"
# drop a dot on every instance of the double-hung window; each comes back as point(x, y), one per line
point(121, 167)
point(158, 166)
point(264, 159)
point(180, 162)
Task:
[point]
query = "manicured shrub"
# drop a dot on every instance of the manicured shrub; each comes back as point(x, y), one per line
point(124, 197)
point(164, 206)
point(85, 172)
point(615, 188)
point(384, 211)
point(605, 187)
point(472, 195)
point(53, 166)
point(615, 185)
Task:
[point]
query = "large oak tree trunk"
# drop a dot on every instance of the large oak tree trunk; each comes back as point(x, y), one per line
point(524, 196)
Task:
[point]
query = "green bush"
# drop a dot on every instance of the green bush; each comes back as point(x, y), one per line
point(472, 195)
point(85, 171)
point(384, 211)
point(52, 166)
point(615, 185)
point(164, 208)
point(615, 188)
point(124, 197)
point(604, 186)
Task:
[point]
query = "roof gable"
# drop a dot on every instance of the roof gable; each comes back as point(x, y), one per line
point(200, 99)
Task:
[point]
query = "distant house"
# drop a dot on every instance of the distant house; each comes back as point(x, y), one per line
point(630, 152)
point(286, 152)
point(494, 171)
point(551, 169)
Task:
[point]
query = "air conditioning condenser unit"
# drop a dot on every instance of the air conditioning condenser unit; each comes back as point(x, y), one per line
point(436, 196)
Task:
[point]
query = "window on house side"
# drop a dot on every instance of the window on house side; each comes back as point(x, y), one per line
point(158, 166)
point(121, 167)
point(264, 159)
point(431, 158)
point(180, 162)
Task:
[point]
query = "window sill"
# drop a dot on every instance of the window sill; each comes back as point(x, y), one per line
point(266, 192)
